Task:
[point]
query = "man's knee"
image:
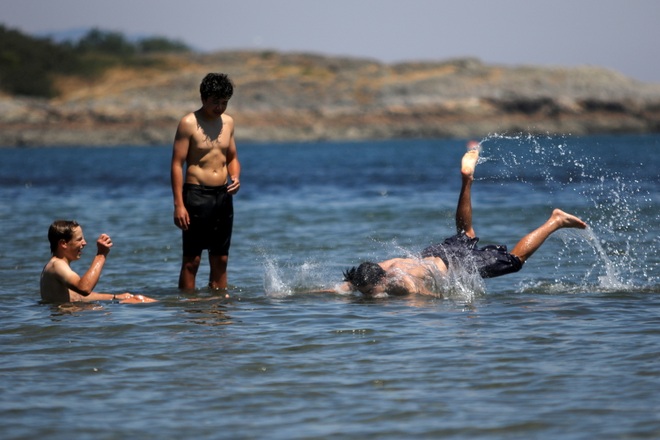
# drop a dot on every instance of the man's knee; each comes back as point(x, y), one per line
point(219, 261)
point(191, 263)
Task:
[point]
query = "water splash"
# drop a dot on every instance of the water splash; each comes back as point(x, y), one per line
point(273, 283)
point(611, 279)
point(287, 279)
point(613, 203)
point(460, 283)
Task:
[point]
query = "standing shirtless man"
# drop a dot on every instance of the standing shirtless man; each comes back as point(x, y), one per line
point(402, 276)
point(203, 208)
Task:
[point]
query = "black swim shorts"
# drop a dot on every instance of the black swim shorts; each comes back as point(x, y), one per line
point(211, 212)
point(491, 261)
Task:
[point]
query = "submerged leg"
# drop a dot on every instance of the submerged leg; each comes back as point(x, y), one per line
point(218, 275)
point(532, 241)
point(189, 267)
point(464, 208)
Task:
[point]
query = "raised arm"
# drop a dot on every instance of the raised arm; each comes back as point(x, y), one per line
point(85, 285)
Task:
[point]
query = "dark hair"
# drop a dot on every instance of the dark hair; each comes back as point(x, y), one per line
point(60, 230)
point(365, 274)
point(216, 85)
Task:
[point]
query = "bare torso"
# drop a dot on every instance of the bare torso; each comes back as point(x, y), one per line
point(206, 161)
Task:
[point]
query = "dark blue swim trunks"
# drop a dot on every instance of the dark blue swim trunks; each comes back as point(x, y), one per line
point(491, 261)
point(211, 212)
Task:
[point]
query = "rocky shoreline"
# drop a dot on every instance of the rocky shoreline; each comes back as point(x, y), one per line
point(306, 97)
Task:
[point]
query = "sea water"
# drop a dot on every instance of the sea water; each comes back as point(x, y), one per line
point(568, 348)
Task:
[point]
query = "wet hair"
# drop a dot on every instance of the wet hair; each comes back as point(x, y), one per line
point(216, 85)
point(365, 274)
point(60, 230)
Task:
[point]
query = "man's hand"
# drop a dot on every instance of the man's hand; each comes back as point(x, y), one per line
point(181, 218)
point(234, 186)
point(129, 298)
point(103, 244)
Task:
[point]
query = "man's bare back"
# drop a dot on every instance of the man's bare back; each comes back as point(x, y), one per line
point(412, 275)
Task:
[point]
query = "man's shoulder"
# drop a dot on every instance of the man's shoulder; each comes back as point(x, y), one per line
point(57, 268)
point(228, 124)
point(50, 266)
point(187, 126)
point(189, 119)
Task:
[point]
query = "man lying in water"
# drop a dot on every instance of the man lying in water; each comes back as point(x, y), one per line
point(60, 284)
point(403, 276)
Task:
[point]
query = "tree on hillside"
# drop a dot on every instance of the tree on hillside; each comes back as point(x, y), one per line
point(112, 43)
point(160, 44)
point(27, 64)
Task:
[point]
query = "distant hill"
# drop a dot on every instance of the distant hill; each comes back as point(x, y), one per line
point(30, 66)
point(305, 97)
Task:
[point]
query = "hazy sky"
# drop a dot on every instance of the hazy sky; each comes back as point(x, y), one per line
point(623, 35)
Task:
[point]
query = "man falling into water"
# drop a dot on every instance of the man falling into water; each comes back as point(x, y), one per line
point(203, 207)
point(402, 276)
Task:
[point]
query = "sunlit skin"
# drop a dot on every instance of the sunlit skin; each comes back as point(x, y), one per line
point(204, 153)
point(60, 284)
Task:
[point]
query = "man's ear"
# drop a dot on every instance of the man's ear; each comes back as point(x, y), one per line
point(62, 243)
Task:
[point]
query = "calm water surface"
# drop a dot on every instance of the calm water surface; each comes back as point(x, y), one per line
point(567, 348)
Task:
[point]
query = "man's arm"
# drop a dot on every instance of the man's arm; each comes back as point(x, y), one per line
point(179, 156)
point(80, 288)
point(341, 289)
point(84, 285)
point(233, 165)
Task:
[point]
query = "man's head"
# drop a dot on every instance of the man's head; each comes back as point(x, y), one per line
point(216, 85)
point(366, 277)
point(62, 230)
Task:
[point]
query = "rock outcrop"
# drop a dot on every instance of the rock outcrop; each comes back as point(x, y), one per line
point(302, 97)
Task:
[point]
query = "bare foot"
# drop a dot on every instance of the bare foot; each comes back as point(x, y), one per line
point(567, 220)
point(470, 158)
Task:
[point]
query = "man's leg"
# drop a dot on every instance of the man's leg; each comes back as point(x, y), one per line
point(189, 268)
point(464, 208)
point(532, 241)
point(218, 275)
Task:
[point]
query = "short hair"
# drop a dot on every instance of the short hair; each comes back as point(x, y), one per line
point(365, 274)
point(60, 230)
point(216, 85)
